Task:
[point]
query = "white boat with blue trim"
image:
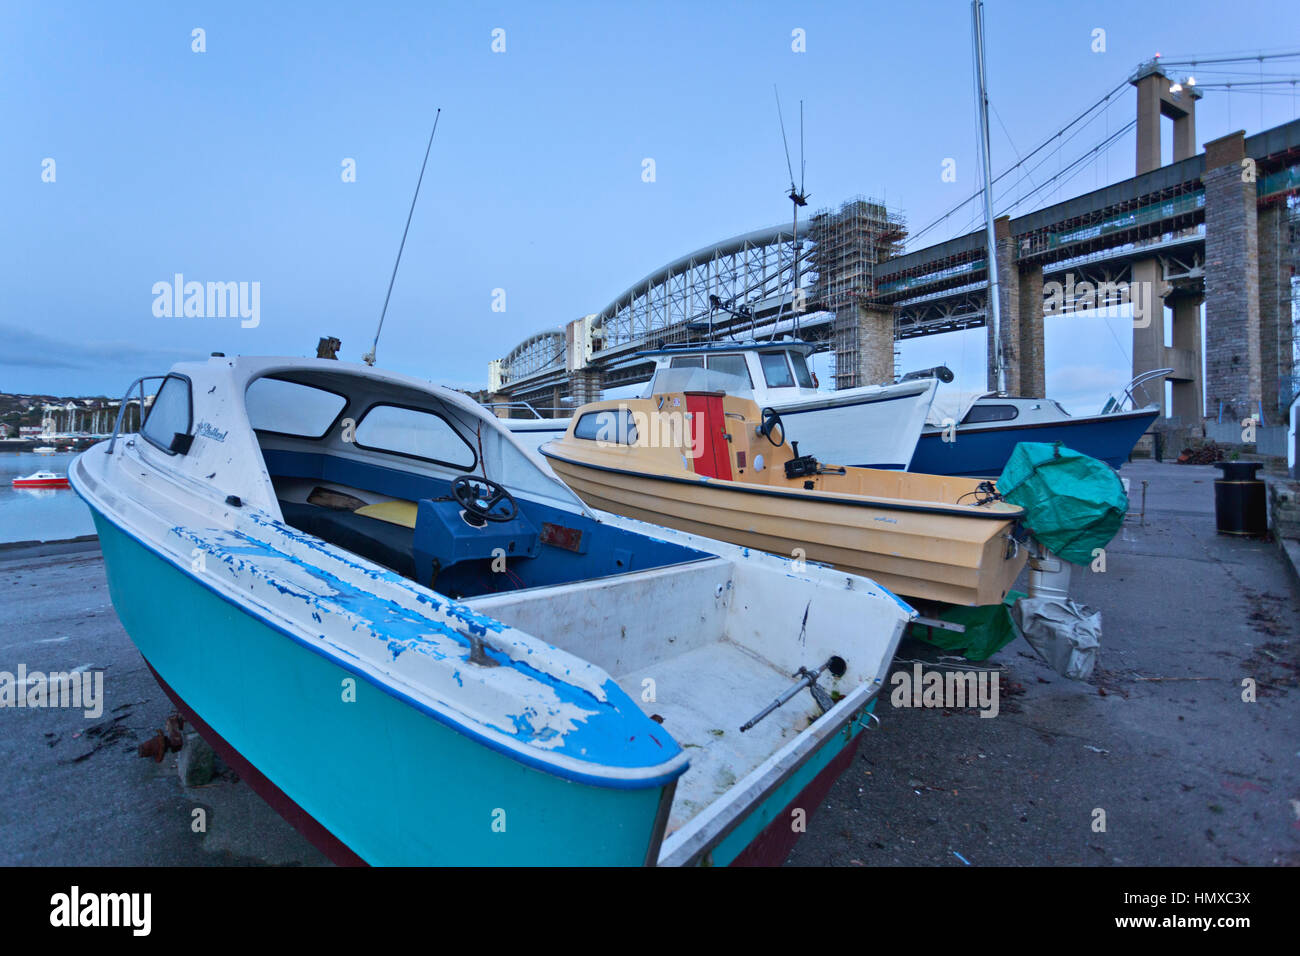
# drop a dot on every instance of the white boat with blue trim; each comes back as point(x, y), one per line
point(871, 426)
point(422, 648)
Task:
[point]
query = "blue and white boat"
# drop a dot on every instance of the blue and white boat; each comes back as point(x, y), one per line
point(974, 436)
point(422, 648)
point(872, 426)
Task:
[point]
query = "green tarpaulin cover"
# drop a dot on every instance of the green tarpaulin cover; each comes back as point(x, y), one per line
point(1073, 503)
point(989, 628)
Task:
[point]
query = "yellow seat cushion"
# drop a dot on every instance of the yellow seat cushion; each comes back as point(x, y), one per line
point(394, 512)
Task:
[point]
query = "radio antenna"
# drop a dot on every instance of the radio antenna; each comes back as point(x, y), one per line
point(798, 197)
point(369, 357)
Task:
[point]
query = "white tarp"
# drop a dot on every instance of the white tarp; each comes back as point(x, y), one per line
point(952, 403)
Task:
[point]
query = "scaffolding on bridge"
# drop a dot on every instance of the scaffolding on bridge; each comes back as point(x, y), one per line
point(848, 244)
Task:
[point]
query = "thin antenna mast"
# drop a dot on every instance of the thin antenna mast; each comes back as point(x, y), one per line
point(369, 357)
point(797, 197)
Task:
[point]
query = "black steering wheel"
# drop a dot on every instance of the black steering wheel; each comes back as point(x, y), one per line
point(484, 498)
point(772, 424)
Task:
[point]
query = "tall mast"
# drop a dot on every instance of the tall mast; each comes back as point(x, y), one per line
point(982, 99)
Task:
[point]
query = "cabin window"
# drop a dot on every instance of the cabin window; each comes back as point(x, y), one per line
point(801, 373)
point(170, 414)
point(415, 433)
point(614, 425)
point(776, 370)
point(731, 365)
point(990, 413)
point(290, 408)
point(687, 361)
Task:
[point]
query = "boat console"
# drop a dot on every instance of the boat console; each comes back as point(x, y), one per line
point(471, 528)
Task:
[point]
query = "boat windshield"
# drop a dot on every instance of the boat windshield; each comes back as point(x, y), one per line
point(775, 370)
point(801, 373)
point(697, 380)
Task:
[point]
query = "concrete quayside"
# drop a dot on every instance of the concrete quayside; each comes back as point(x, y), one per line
point(1179, 750)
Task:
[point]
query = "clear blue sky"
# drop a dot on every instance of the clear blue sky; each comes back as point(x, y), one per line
point(225, 165)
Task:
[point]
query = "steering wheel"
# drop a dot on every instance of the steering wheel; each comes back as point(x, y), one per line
point(772, 423)
point(484, 498)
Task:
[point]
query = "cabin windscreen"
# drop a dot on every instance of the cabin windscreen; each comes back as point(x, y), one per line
point(405, 429)
point(503, 460)
point(416, 433)
point(775, 370)
point(170, 414)
point(291, 408)
point(801, 373)
point(668, 380)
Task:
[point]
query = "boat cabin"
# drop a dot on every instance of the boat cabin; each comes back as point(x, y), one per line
point(418, 480)
point(771, 371)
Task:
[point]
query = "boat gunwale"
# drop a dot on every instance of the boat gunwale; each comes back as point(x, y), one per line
point(699, 835)
point(822, 497)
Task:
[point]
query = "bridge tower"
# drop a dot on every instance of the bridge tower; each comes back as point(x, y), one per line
point(1158, 98)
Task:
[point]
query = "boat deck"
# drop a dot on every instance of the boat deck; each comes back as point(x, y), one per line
point(704, 715)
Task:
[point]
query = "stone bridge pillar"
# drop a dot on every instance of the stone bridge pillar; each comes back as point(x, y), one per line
point(1275, 328)
point(864, 346)
point(1020, 297)
point(1232, 301)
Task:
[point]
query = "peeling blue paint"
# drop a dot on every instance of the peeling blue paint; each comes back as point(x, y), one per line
point(599, 738)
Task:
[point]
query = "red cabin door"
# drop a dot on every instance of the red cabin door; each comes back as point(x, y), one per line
point(710, 424)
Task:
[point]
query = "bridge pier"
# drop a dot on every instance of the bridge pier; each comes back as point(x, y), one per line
point(1275, 327)
point(1151, 295)
point(1147, 291)
point(585, 386)
point(864, 346)
point(1232, 272)
point(1020, 296)
point(1033, 373)
point(1186, 401)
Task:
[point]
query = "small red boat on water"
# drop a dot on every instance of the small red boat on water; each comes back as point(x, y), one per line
point(42, 479)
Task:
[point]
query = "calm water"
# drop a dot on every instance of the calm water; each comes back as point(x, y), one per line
point(39, 514)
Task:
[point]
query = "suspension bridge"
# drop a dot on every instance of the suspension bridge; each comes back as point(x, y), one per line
point(1217, 229)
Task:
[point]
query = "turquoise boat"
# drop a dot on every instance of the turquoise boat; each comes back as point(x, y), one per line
point(422, 649)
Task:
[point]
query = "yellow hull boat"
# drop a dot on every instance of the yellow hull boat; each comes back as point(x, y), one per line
point(713, 464)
